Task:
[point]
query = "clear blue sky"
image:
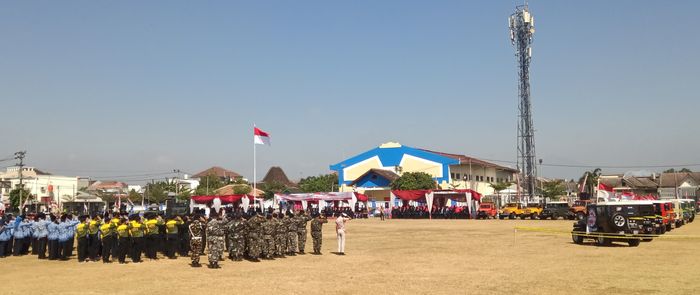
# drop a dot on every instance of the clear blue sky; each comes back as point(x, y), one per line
point(134, 87)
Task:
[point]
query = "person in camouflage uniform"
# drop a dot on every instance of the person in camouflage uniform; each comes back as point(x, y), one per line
point(291, 234)
point(302, 219)
point(317, 232)
point(196, 230)
point(235, 234)
point(216, 231)
point(268, 229)
point(254, 230)
point(280, 235)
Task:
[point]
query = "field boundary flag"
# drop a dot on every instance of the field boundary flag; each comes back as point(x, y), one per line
point(260, 137)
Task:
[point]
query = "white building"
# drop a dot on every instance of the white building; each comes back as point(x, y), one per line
point(44, 187)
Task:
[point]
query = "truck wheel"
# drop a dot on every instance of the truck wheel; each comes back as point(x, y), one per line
point(618, 220)
point(522, 216)
point(577, 239)
point(511, 216)
point(633, 242)
point(601, 241)
point(646, 239)
point(580, 216)
point(662, 230)
point(535, 216)
point(669, 227)
point(554, 216)
point(500, 217)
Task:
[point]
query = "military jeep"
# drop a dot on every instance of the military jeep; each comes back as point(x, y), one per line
point(554, 210)
point(626, 221)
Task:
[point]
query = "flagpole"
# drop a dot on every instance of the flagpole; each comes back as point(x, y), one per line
point(255, 185)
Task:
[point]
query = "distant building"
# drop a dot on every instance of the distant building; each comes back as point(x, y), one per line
point(681, 184)
point(373, 171)
point(277, 175)
point(223, 174)
point(44, 186)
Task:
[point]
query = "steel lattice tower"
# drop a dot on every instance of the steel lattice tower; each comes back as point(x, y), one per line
point(522, 27)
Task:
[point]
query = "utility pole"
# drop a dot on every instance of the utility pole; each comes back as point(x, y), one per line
point(177, 181)
point(20, 156)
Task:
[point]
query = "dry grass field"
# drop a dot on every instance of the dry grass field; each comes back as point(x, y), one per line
point(398, 257)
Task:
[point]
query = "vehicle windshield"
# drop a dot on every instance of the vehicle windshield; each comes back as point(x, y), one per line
point(646, 210)
point(579, 203)
point(511, 205)
point(549, 205)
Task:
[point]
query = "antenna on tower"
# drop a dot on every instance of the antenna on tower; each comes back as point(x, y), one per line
point(522, 27)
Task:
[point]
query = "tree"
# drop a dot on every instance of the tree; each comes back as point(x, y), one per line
point(499, 186)
point(156, 193)
point(683, 170)
point(273, 188)
point(591, 180)
point(209, 183)
point(134, 196)
point(413, 181)
point(241, 189)
point(321, 183)
point(553, 189)
point(14, 196)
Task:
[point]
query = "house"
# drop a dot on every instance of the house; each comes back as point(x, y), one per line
point(45, 187)
point(223, 174)
point(277, 175)
point(627, 183)
point(372, 172)
point(679, 184)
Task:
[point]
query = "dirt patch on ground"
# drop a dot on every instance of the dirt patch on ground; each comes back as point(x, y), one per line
point(398, 257)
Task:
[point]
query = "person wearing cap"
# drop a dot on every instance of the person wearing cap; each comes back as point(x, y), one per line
point(216, 232)
point(52, 238)
point(5, 236)
point(254, 231)
point(81, 231)
point(115, 243)
point(317, 232)
point(237, 232)
point(109, 239)
point(173, 240)
point(302, 219)
point(124, 240)
point(196, 230)
point(136, 230)
point(292, 237)
point(152, 235)
point(41, 234)
point(340, 231)
point(93, 237)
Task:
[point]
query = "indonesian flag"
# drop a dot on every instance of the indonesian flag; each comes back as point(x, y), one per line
point(605, 192)
point(260, 137)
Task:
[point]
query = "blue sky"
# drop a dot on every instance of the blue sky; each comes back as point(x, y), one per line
point(130, 88)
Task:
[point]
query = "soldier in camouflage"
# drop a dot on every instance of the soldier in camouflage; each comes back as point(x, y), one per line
point(302, 219)
point(268, 228)
point(280, 236)
point(196, 230)
point(236, 232)
point(254, 228)
point(291, 234)
point(216, 232)
point(317, 232)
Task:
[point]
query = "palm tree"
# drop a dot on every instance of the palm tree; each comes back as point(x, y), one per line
point(591, 180)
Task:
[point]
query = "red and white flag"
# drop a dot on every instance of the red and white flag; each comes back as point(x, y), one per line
point(605, 192)
point(260, 137)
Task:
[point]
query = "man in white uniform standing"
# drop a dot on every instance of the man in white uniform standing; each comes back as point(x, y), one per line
point(340, 230)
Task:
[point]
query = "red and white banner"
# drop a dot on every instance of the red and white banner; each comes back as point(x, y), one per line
point(260, 137)
point(605, 193)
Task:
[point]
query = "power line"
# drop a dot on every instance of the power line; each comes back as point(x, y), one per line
point(599, 166)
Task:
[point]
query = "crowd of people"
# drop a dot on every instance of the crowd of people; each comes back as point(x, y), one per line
point(436, 212)
point(254, 235)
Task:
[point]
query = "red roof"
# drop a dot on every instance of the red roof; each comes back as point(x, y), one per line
point(217, 171)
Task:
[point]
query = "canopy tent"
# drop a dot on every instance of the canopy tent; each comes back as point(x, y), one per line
point(228, 199)
point(427, 196)
point(321, 198)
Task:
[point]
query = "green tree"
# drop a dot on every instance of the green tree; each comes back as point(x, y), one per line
point(321, 183)
point(683, 170)
point(156, 192)
point(134, 196)
point(499, 186)
point(241, 189)
point(209, 183)
point(413, 181)
point(14, 196)
point(273, 188)
point(553, 189)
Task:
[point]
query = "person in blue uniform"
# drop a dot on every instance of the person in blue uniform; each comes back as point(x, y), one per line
point(41, 233)
point(65, 236)
point(52, 237)
point(19, 235)
point(5, 236)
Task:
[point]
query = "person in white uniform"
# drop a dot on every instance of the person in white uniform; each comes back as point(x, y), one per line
point(340, 230)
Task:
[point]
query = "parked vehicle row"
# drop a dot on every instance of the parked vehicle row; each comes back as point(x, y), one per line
point(631, 222)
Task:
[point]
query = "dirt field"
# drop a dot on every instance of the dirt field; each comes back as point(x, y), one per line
point(398, 257)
